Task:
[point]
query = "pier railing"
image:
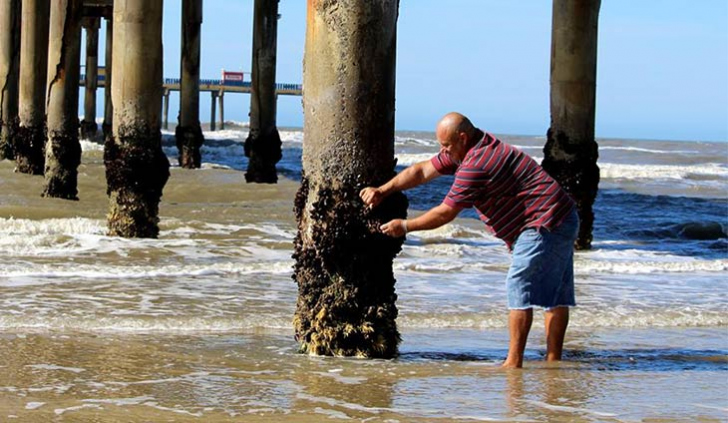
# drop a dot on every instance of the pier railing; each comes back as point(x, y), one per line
point(173, 84)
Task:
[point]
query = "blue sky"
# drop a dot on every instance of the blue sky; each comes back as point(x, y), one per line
point(662, 66)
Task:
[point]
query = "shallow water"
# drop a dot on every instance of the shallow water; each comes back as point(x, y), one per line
point(441, 375)
point(197, 324)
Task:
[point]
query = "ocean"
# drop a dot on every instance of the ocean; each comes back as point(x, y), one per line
point(197, 325)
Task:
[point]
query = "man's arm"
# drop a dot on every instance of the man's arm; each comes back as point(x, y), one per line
point(433, 218)
point(415, 175)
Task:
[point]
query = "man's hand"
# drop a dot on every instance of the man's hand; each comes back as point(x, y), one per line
point(393, 228)
point(371, 196)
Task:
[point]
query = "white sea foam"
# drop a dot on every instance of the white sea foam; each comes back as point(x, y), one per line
point(82, 236)
point(123, 324)
point(55, 367)
point(528, 147)
point(402, 141)
point(75, 225)
point(120, 402)
point(641, 261)
point(244, 124)
point(226, 134)
point(633, 267)
point(480, 256)
point(294, 137)
point(646, 150)
point(88, 146)
point(334, 374)
point(653, 172)
point(452, 231)
point(586, 315)
point(581, 316)
point(24, 237)
point(71, 243)
point(30, 274)
point(410, 159)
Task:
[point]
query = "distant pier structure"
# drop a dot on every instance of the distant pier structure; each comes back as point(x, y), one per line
point(40, 79)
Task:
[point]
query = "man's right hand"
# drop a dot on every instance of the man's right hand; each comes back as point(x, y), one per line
point(371, 196)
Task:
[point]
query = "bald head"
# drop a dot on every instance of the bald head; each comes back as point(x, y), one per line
point(452, 124)
point(456, 134)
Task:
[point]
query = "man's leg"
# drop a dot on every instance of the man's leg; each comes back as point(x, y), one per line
point(556, 320)
point(519, 324)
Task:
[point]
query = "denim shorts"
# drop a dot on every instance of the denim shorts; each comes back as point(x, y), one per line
point(542, 271)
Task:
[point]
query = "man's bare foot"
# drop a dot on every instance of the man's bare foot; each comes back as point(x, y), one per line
point(511, 365)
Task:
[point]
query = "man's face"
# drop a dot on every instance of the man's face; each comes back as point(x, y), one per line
point(454, 145)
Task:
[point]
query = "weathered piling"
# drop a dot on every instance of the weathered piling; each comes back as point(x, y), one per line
point(108, 62)
point(89, 127)
point(263, 145)
point(221, 101)
point(9, 73)
point(346, 296)
point(63, 151)
point(188, 133)
point(136, 167)
point(165, 109)
point(571, 152)
point(28, 145)
point(213, 104)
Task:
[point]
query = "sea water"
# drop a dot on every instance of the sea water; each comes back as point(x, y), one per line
point(197, 325)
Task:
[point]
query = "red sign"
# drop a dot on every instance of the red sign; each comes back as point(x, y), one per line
point(233, 76)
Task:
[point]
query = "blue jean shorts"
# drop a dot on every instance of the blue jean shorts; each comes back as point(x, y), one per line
point(542, 271)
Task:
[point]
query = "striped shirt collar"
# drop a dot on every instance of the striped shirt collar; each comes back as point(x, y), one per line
point(483, 141)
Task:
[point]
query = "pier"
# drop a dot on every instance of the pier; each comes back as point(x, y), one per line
point(216, 87)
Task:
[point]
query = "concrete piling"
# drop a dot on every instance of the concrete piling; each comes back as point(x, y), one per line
point(221, 100)
point(213, 95)
point(63, 151)
point(136, 167)
point(188, 133)
point(165, 109)
point(346, 296)
point(571, 152)
point(29, 143)
point(89, 127)
point(108, 62)
point(263, 145)
point(9, 74)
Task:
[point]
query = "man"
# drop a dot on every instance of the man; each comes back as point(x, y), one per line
point(521, 204)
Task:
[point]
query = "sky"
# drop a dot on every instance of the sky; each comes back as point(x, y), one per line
point(662, 66)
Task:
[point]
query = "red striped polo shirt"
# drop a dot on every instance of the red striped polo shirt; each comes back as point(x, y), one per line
point(508, 188)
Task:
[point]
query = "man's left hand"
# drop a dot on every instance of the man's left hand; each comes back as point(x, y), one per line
point(393, 228)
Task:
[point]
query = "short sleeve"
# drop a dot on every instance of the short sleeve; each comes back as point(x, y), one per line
point(444, 164)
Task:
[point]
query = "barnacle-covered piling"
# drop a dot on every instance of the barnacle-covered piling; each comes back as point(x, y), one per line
point(571, 152)
point(136, 167)
point(62, 150)
point(346, 302)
